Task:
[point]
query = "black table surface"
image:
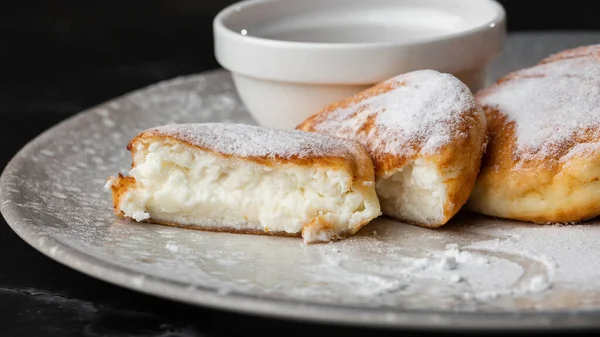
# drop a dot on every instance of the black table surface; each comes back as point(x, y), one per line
point(43, 81)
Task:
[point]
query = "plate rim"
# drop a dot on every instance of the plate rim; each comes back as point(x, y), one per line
point(260, 304)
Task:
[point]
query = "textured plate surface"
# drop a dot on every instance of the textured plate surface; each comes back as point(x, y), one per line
point(475, 272)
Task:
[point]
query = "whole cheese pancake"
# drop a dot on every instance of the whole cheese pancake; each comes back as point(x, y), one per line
point(426, 136)
point(247, 179)
point(543, 160)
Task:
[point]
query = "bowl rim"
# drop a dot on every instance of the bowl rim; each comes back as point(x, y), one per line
point(356, 63)
point(221, 28)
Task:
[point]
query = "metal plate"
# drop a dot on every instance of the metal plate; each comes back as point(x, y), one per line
point(476, 272)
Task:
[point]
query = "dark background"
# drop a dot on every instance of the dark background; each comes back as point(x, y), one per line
point(60, 57)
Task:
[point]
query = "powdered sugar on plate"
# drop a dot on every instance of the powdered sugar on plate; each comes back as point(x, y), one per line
point(420, 111)
point(244, 140)
point(553, 106)
point(491, 263)
point(52, 198)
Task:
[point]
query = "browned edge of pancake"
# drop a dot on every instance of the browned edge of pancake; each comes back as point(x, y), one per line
point(336, 237)
point(533, 175)
point(360, 164)
point(460, 151)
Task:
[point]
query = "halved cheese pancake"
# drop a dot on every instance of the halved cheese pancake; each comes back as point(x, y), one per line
point(543, 160)
point(247, 179)
point(426, 136)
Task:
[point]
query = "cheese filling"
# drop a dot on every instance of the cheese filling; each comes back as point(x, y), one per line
point(194, 187)
point(415, 192)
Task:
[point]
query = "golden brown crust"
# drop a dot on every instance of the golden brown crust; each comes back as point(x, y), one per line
point(120, 185)
point(359, 164)
point(462, 153)
point(231, 230)
point(223, 229)
point(382, 161)
point(583, 51)
point(540, 190)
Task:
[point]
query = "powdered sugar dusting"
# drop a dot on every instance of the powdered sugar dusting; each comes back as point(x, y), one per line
point(552, 105)
point(473, 264)
point(584, 51)
point(581, 150)
point(421, 113)
point(253, 141)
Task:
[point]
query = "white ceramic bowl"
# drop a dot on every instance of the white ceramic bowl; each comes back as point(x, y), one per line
point(290, 58)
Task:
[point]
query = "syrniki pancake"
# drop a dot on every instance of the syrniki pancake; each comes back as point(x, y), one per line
point(248, 179)
point(543, 160)
point(426, 136)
